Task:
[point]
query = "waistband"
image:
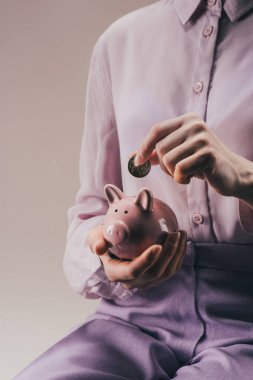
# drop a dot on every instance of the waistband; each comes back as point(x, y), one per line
point(222, 256)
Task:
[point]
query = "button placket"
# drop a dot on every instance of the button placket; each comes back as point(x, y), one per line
point(203, 62)
point(199, 213)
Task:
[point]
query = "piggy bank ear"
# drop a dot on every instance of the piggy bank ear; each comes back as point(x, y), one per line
point(144, 199)
point(113, 193)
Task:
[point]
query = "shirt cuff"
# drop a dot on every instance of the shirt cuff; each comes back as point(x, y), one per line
point(245, 216)
point(98, 284)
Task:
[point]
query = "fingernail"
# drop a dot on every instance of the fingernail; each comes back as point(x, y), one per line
point(138, 159)
point(182, 232)
point(157, 249)
point(100, 249)
point(175, 236)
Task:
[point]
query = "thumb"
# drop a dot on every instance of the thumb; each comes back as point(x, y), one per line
point(96, 241)
point(100, 247)
point(150, 255)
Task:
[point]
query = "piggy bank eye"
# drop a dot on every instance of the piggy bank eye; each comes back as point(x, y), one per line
point(126, 212)
point(116, 210)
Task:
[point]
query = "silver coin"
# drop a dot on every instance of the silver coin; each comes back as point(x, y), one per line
point(140, 170)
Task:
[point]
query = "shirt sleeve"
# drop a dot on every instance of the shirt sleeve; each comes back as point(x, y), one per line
point(245, 216)
point(99, 164)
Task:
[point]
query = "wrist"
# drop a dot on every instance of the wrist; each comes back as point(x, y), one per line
point(245, 188)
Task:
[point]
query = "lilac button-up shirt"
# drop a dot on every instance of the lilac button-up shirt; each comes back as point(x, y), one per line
point(158, 62)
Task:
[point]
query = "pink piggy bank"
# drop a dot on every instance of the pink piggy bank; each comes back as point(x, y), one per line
point(134, 223)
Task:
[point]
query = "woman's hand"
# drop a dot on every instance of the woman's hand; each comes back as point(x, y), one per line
point(153, 266)
point(185, 147)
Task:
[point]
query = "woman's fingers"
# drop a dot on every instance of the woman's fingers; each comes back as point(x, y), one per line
point(168, 263)
point(195, 164)
point(154, 264)
point(156, 133)
point(167, 274)
point(168, 252)
point(174, 264)
point(124, 270)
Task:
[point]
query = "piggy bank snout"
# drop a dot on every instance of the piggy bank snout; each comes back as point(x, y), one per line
point(118, 232)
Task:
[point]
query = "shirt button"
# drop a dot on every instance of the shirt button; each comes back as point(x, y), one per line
point(211, 2)
point(208, 31)
point(198, 87)
point(198, 218)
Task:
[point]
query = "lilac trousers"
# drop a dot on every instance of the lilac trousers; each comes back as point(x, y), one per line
point(196, 325)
